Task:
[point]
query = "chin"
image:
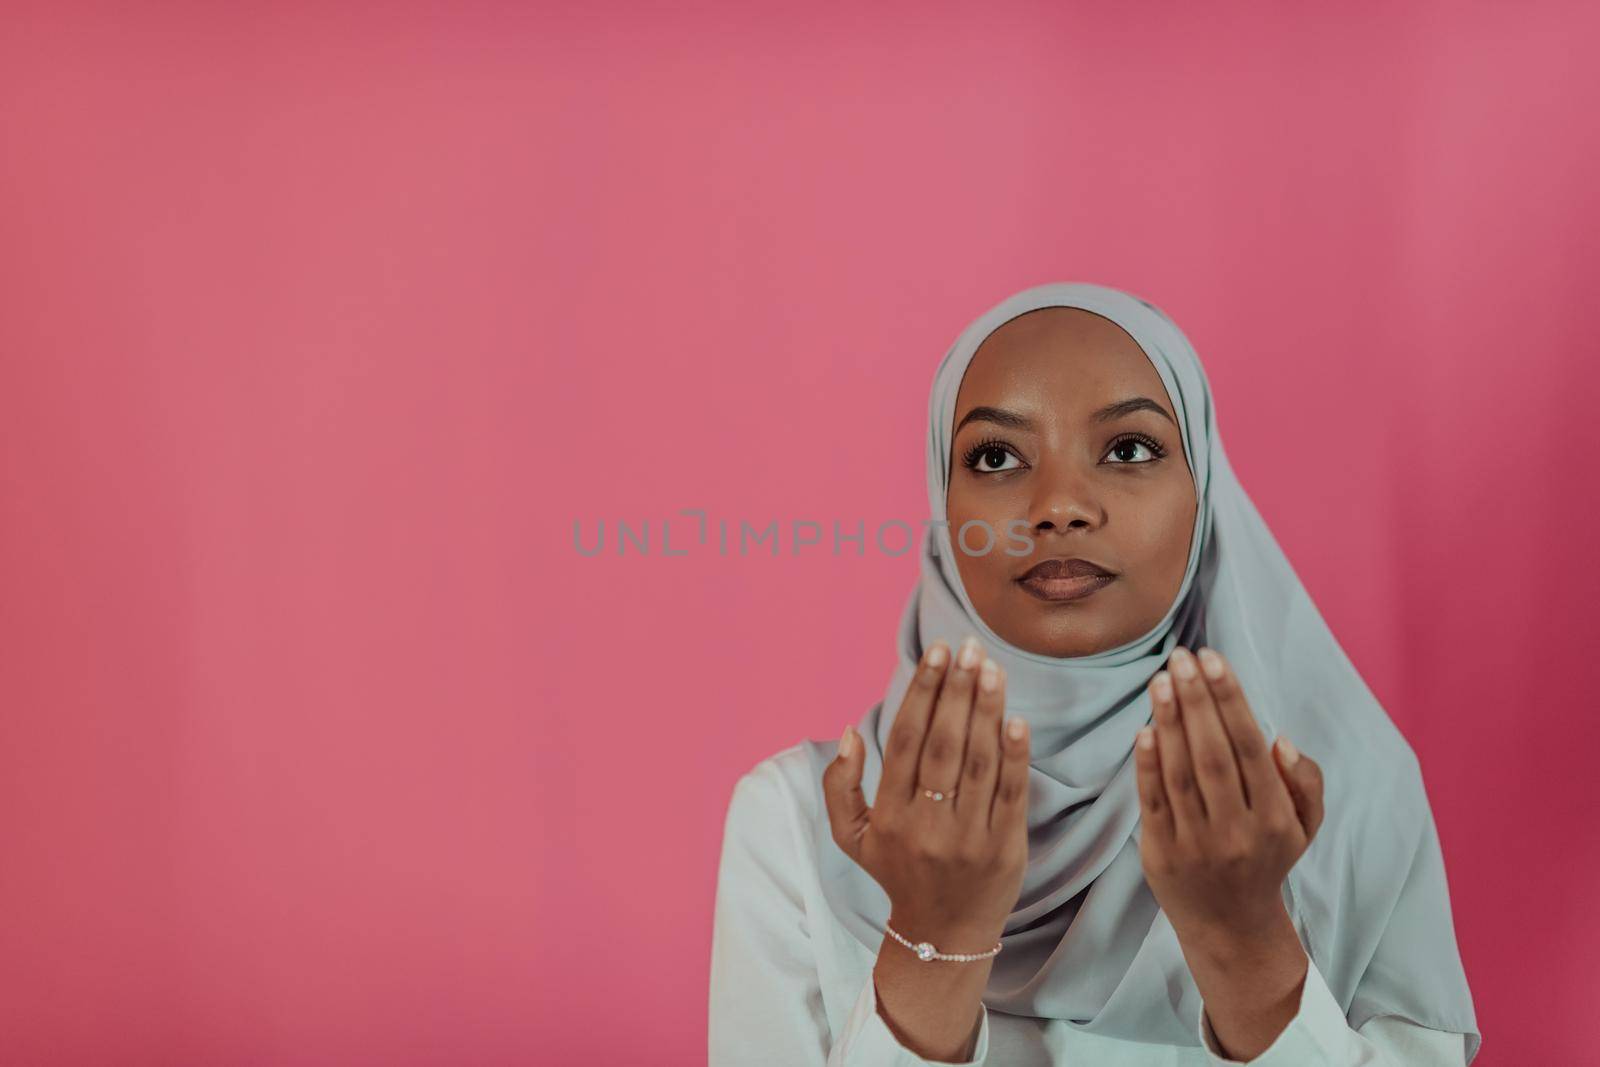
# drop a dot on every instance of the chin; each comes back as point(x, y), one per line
point(1048, 630)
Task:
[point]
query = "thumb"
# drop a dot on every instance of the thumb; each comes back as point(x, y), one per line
point(1303, 776)
point(841, 791)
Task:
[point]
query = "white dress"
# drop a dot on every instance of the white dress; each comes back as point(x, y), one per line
point(789, 985)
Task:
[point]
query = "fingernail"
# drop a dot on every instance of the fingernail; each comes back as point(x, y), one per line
point(1182, 663)
point(1015, 728)
point(847, 742)
point(1162, 685)
point(989, 676)
point(936, 656)
point(1211, 663)
point(1147, 739)
point(1291, 755)
point(969, 654)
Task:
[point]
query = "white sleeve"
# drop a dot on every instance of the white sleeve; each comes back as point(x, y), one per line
point(1320, 1036)
point(867, 1039)
point(766, 998)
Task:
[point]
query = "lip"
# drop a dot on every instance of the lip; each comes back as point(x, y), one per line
point(1061, 579)
point(1058, 589)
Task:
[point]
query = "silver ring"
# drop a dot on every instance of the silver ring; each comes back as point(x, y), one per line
point(934, 795)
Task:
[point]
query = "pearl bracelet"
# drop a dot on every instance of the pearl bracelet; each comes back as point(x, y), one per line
point(926, 951)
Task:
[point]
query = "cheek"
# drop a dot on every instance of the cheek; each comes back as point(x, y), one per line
point(992, 509)
point(981, 574)
point(1164, 528)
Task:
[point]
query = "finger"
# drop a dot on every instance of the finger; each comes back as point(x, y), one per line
point(1215, 769)
point(1264, 786)
point(981, 768)
point(1154, 811)
point(1303, 776)
point(1010, 809)
point(841, 791)
point(904, 747)
point(1188, 811)
point(940, 766)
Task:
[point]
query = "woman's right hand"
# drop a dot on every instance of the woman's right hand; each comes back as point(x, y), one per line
point(952, 868)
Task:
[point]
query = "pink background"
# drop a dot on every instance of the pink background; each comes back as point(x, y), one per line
point(319, 741)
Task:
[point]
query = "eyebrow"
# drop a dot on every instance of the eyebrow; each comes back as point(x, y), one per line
point(1117, 410)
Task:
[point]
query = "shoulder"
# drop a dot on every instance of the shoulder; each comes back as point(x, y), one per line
point(1370, 770)
point(776, 792)
point(1375, 773)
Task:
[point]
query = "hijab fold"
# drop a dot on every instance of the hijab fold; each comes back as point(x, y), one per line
point(1086, 941)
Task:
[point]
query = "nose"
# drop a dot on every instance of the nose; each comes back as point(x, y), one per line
point(1065, 499)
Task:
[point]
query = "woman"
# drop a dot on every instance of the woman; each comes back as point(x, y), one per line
point(1063, 837)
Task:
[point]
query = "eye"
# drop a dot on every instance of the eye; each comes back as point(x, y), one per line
point(990, 457)
point(1131, 443)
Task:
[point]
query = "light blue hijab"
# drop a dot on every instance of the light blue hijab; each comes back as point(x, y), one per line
point(1086, 942)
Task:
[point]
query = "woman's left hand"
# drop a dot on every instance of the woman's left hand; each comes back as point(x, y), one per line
point(1224, 819)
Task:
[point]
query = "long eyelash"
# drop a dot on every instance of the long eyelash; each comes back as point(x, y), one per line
point(1149, 442)
point(969, 458)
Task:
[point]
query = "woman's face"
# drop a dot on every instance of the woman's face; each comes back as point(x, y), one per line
point(1064, 431)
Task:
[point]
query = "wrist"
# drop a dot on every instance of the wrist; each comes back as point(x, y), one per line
point(946, 935)
point(1246, 944)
